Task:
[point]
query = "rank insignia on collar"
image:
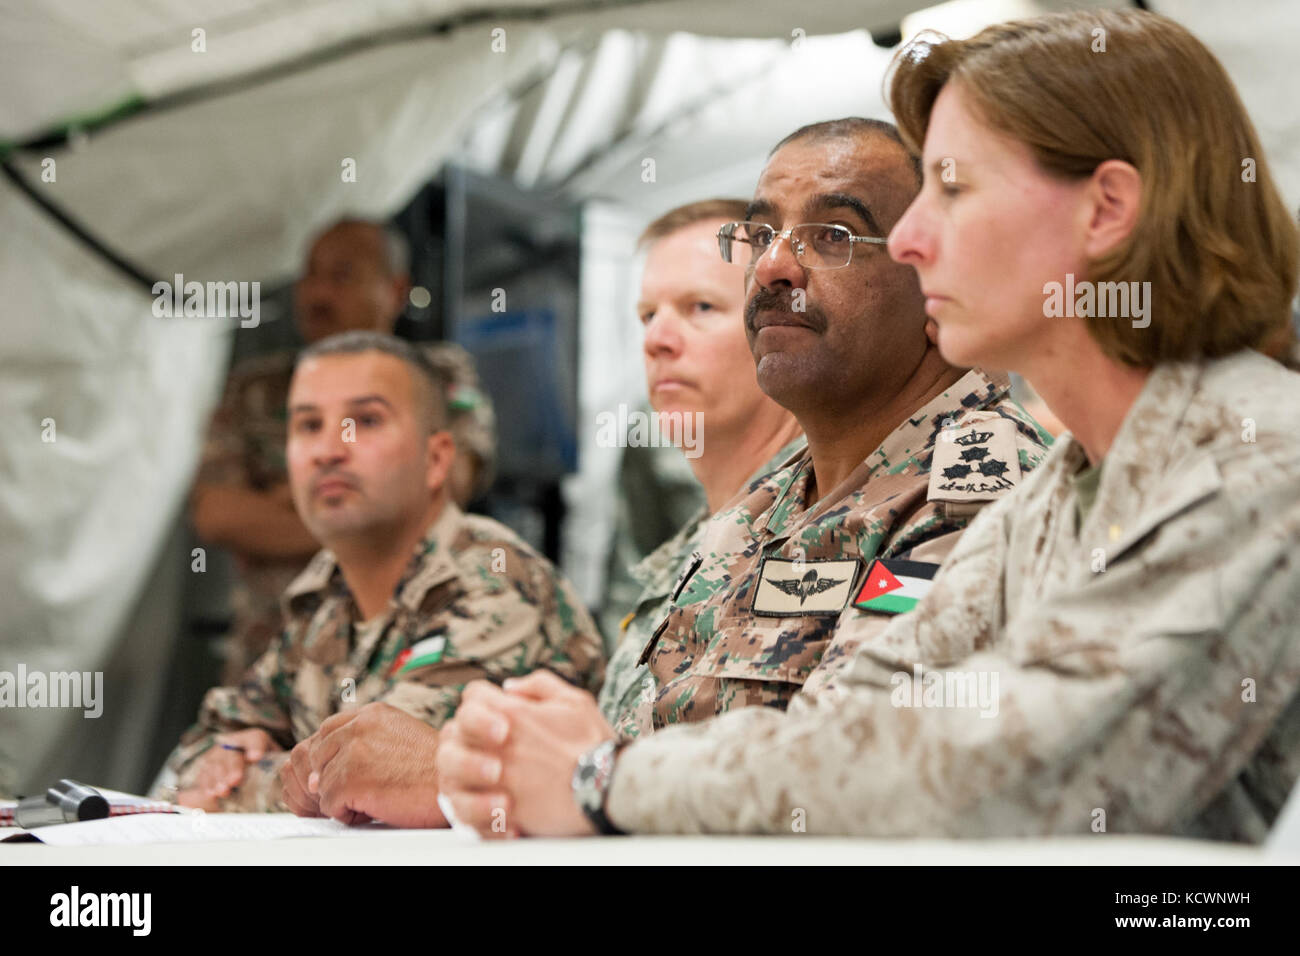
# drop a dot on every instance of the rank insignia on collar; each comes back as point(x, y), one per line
point(794, 588)
point(975, 463)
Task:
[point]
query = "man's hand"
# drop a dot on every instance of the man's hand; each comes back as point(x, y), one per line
point(219, 771)
point(294, 775)
point(375, 763)
point(507, 759)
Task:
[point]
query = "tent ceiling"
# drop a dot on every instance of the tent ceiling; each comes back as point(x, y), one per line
point(605, 85)
point(70, 59)
point(706, 109)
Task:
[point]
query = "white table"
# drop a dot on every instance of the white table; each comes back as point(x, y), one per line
point(446, 849)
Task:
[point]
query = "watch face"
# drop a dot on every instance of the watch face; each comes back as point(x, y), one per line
point(585, 781)
point(588, 795)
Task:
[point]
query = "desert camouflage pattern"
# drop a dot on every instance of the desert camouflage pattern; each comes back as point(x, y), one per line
point(1147, 660)
point(245, 446)
point(627, 698)
point(731, 638)
point(475, 602)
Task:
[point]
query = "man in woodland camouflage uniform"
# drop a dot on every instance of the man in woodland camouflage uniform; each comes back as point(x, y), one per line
point(411, 599)
point(355, 277)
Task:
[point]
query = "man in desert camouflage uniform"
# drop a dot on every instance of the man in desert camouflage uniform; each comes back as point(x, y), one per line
point(697, 364)
point(449, 597)
point(355, 278)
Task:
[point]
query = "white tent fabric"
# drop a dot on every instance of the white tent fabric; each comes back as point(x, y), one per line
point(223, 190)
point(237, 156)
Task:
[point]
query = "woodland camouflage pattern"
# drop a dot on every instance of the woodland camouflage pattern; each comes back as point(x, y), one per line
point(628, 694)
point(714, 652)
point(1147, 662)
point(475, 602)
point(245, 446)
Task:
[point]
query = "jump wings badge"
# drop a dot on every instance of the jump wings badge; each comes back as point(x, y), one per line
point(792, 588)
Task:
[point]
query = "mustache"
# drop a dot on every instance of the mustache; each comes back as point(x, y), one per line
point(773, 301)
point(333, 474)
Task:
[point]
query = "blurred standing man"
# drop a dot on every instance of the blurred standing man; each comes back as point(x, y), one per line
point(356, 278)
point(411, 599)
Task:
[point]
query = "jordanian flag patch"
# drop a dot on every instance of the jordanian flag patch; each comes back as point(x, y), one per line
point(894, 587)
point(421, 654)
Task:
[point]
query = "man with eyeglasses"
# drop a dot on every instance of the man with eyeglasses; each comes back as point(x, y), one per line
point(903, 450)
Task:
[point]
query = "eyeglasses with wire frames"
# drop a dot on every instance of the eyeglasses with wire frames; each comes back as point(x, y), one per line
point(816, 245)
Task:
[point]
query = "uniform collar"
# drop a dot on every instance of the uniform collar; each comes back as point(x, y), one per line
point(430, 564)
point(658, 570)
point(1154, 451)
point(911, 443)
point(1150, 431)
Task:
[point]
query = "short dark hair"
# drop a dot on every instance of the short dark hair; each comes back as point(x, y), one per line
point(849, 127)
point(430, 380)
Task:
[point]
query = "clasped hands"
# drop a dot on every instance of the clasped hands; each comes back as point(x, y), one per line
point(505, 761)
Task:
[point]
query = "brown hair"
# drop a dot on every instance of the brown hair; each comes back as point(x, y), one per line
point(1221, 253)
point(432, 382)
point(728, 210)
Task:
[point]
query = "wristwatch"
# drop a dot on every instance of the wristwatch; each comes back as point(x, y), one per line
point(591, 780)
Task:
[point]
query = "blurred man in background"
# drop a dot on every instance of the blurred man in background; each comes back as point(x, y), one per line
point(356, 277)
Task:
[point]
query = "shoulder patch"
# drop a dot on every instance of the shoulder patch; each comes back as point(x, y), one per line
point(421, 654)
point(977, 462)
point(895, 586)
